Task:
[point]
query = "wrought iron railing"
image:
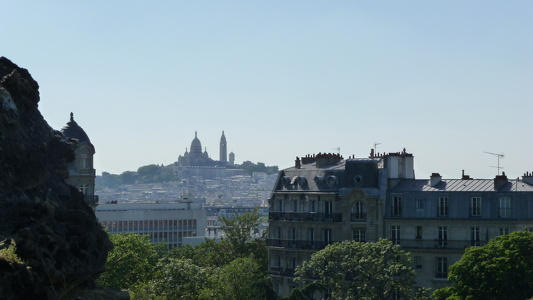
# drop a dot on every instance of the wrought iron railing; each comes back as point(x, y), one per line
point(437, 244)
point(305, 217)
point(298, 244)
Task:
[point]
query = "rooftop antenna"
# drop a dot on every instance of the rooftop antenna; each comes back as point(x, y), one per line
point(499, 156)
point(376, 147)
point(338, 149)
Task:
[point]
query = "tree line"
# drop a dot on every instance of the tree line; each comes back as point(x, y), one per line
point(237, 268)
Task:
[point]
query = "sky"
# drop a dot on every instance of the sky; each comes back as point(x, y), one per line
point(446, 80)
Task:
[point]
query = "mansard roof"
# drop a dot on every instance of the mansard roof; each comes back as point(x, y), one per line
point(459, 185)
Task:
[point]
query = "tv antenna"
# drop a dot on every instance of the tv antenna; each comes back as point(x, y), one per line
point(375, 147)
point(499, 156)
point(338, 149)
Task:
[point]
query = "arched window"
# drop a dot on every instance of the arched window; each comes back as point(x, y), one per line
point(358, 211)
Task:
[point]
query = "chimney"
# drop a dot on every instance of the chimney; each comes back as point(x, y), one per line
point(465, 177)
point(435, 179)
point(528, 178)
point(500, 181)
point(297, 163)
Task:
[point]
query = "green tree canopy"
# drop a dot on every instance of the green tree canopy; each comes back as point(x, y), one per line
point(353, 270)
point(132, 260)
point(238, 231)
point(502, 269)
point(242, 279)
point(174, 279)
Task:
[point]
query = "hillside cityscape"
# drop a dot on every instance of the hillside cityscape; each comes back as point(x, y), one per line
point(323, 200)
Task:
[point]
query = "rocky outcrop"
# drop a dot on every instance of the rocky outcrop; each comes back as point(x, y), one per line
point(58, 240)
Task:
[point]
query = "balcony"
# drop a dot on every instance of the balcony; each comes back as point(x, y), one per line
point(305, 217)
point(298, 244)
point(282, 271)
point(441, 274)
point(91, 200)
point(438, 244)
point(358, 217)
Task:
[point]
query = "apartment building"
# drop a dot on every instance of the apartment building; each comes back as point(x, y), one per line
point(325, 198)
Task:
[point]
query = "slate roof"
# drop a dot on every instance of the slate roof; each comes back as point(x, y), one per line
point(73, 130)
point(459, 185)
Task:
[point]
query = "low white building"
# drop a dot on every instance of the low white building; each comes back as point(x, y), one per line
point(165, 223)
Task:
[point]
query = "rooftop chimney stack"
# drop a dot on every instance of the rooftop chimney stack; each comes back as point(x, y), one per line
point(528, 178)
point(435, 179)
point(465, 177)
point(297, 163)
point(500, 181)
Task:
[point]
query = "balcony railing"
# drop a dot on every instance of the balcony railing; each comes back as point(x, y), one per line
point(305, 217)
point(358, 217)
point(441, 274)
point(298, 244)
point(282, 271)
point(91, 200)
point(438, 244)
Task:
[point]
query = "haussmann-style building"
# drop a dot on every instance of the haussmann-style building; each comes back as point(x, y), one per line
point(325, 199)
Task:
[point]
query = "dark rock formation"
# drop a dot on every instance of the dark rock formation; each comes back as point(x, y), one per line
point(58, 239)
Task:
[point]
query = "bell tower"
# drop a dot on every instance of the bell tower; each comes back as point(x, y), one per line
point(223, 149)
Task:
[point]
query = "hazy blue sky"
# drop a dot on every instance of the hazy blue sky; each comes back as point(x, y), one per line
point(447, 80)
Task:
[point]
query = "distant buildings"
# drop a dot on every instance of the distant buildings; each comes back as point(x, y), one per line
point(81, 171)
point(167, 223)
point(325, 199)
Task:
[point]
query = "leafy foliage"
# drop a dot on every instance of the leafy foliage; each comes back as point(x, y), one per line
point(8, 252)
point(502, 269)
point(242, 279)
point(249, 168)
point(174, 279)
point(132, 260)
point(353, 270)
point(238, 230)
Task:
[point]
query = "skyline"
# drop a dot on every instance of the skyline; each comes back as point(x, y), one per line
point(447, 81)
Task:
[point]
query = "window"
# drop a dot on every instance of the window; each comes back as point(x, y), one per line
point(418, 232)
point(442, 267)
point(443, 207)
point(359, 235)
point(312, 206)
point(505, 207)
point(395, 234)
point(328, 208)
point(474, 236)
point(504, 230)
point(397, 205)
point(442, 237)
point(294, 206)
point(84, 188)
point(418, 262)
point(358, 211)
point(475, 206)
point(327, 236)
point(310, 235)
point(419, 205)
point(85, 161)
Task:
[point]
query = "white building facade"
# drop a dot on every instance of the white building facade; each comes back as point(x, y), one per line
point(167, 223)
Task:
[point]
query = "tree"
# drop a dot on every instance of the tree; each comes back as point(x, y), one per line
point(240, 279)
point(502, 269)
point(238, 231)
point(353, 270)
point(132, 260)
point(174, 279)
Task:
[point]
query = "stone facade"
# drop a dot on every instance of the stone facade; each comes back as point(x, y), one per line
point(325, 198)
